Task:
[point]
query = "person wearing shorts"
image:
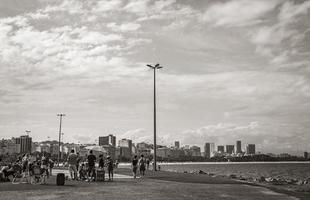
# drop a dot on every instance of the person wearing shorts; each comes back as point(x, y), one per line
point(72, 160)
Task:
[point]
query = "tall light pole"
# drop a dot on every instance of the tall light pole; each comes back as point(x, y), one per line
point(60, 123)
point(155, 67)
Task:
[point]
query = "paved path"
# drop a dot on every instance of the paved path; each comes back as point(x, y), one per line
point(66, 172)
point(162, 185)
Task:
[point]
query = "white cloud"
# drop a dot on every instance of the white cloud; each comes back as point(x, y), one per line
point(107, 5)
point(238, 12)
point(126, 27)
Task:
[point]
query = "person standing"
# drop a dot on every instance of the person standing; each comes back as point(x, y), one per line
point(91, 158)
point(51, 166)
point(147, 164)
point(142, 163)
point(101, 161)
point(134, 165)
point(72, 159)
point(44, 165)
point(78, 160)
point(110, 167)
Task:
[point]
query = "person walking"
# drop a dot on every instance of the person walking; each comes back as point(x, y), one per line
point(142, 163)
point(110, 167)
point(91, 158)
point(134, 165)
point(72, 160)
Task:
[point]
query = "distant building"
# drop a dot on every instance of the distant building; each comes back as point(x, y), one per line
point(177, 144)
point(306, 155)
point(125, 152)
point(195, 151)
point(25, 143)
point(220, 149)
point(126, 143)
point(250, 149)
point(230, 149)
point(238, 147)
point(9, 146)
point(107, 140)
point(164, 152)
point(143, 148)
point(207, 150)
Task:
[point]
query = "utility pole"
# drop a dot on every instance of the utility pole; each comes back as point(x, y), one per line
point(157, 66)
point(60, 123)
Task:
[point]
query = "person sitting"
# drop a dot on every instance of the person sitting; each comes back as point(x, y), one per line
point(83, 172)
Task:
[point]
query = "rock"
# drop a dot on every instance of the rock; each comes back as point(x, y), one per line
point(300, 182)
point(201, 172)
point(232, 176)
point(261, 179)
point(185, 172)
point(211, 174)
point(269, 179)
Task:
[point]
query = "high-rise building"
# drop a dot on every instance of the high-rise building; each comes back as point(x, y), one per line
point(25, 143)
point(250, 149)
point(220, 149)
point(238, 147)
point(230, 149)
point(207, 148)
point(306, 155)
point(195, 151)
point(107, 140)
point(177, 144)
point(126, 143)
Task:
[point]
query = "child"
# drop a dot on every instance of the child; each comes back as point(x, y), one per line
point(83, 172)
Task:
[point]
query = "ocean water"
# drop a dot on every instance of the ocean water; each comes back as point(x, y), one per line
point(298, 170)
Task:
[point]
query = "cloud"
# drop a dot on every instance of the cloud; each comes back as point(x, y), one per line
point(238, 12)
point(126, 27)
point(282, 39)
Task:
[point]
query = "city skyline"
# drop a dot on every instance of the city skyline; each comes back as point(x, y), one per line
point(233, 69)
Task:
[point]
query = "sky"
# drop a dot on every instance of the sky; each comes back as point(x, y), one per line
point(232, 70)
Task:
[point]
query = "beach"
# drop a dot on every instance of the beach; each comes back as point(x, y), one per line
point(156, 185)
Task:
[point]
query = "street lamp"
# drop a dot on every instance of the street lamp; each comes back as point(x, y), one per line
point(155, 67)
point(60, 123)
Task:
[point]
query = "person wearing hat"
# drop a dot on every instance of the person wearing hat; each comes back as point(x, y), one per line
point(110, 167)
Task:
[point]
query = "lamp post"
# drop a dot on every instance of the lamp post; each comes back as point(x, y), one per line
point(155, 67)
point(60, 123)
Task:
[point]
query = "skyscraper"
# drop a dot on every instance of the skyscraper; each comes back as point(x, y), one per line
point(25, 143)
point(125, 143)
point(230, 149)
point(220, 149)
point(238, 146)
point(107, 140)
point(207, 148)
point(177, 144)
point(250, 149)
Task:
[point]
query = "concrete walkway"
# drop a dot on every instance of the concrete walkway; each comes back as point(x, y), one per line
point(161, 185)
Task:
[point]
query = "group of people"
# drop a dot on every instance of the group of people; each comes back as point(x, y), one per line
point(87, 171)
point(142, 164)
point(25, 165)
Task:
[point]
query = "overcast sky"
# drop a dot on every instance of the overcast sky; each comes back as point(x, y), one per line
point(233, 70)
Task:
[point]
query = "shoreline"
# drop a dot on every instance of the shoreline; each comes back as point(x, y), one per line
point(224, 163)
